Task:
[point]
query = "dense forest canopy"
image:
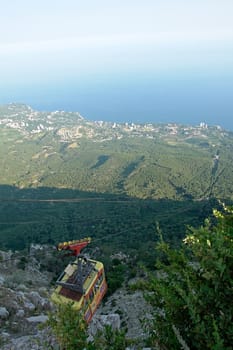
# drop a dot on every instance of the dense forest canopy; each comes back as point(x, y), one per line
point(63, 177)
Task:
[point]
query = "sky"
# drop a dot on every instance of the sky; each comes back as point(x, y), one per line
point(131, 60)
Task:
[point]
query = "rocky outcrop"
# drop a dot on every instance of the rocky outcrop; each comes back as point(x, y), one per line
point(4, 313)
point(100, 321)
point(37, 319)
point(132, 310)
point(25, 303)
point(39, 341)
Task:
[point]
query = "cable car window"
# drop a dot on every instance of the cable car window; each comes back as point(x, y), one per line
point(91, 296)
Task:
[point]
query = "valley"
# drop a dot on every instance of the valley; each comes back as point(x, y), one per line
point(63, 177)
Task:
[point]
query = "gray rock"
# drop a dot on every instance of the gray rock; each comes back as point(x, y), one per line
point(38, 301)
point(29, 306)
point(111, 320)
point(20, 313)
point(5, 336)
point(23, 343)
point(132, 309)
point(20, 296)
point(43, 291)
point(2, 280)
point(35, 298)
point(100, 321)
point(3, 313)
point(37, 319)
point(40, 340)
point(21, 287)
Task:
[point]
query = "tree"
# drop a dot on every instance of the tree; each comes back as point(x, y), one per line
point(192, 292)
point(71, 332)
point(110, 339)
point(69, 327)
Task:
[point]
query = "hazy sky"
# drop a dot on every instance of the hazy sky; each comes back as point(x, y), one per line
point(56, 48)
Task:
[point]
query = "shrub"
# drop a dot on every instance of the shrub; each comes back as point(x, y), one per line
point(192, 293)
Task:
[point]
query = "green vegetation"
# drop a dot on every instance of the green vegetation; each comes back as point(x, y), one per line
point(192, 292)
point(63, 177)
point(63, 150)
point(115, 224)
point(191, 295)
point(71, 333)
point(69, 328)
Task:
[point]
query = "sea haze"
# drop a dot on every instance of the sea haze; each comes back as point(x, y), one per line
point(131, 61)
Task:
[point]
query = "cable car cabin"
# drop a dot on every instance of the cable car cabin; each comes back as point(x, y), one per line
point(82, 282)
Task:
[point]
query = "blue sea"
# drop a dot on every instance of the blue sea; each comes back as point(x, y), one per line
point(139, 99)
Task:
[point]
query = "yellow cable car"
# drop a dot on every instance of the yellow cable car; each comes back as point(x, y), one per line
point(82, 282)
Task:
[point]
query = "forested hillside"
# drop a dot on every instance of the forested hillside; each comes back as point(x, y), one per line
point(63, 150)
point(126, 186)
point(64, 177)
